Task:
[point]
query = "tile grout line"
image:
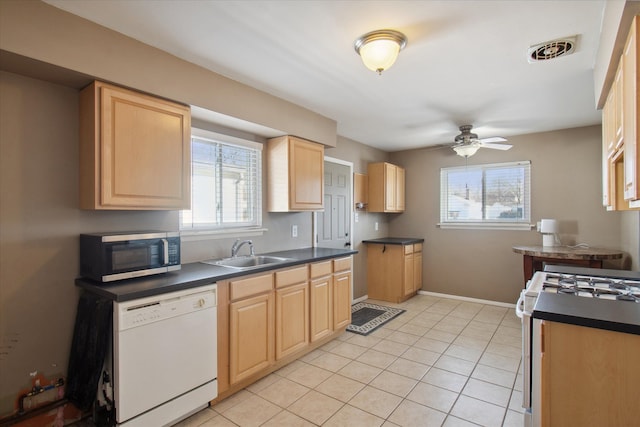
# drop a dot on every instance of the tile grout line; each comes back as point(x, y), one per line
point(415, 311)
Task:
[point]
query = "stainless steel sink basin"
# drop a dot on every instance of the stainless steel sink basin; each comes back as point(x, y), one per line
point(247, 262)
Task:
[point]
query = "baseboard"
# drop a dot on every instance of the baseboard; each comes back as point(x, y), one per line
point(467, 299)
point(357, 300)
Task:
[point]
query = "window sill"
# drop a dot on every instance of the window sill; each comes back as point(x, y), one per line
point(195, 235)
point(486, 226)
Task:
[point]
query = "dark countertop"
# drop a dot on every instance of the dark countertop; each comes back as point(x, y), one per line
point(198, 274)
point(394, 241)
point(618, 316)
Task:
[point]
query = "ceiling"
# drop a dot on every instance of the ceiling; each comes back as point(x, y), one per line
point(465, 61)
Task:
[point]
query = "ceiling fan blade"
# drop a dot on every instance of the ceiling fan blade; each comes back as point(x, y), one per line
point(496, 146)
point(493, 139)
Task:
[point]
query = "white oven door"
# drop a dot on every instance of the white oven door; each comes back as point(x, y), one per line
point(165, 351)
point(524, 313)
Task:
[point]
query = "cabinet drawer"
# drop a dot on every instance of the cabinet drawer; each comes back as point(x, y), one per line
point(291, 276)
point(342, 264)
point(320, 269)
point(417, 247)
point(251, 286)
point(408, 249)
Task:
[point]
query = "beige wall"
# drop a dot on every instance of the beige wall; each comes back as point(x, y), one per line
point(565, 185)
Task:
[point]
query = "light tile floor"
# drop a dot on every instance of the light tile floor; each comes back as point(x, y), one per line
point(443, 362)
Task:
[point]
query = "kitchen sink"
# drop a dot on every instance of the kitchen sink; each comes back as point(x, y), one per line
point(247, 262)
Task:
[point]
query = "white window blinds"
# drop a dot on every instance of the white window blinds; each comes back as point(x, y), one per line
point(226, 184)
point(493, 195)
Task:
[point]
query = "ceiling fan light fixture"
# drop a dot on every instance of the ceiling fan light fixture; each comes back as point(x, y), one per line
point(379, 49)
point(466, 150)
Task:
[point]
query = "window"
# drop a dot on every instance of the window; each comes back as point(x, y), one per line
point(226, 184)
point(486, 196)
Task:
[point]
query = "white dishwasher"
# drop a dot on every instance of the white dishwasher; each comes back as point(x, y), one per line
point(165, 356)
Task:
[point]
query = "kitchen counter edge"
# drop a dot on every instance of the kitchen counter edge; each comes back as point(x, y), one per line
point(394, 241)
point(197, 274)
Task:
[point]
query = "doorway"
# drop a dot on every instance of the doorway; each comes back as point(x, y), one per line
point(333, 226)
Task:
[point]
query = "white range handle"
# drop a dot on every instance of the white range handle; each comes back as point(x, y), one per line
point(520, 305)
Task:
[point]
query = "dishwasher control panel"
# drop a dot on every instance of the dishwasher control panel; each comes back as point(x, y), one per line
point(143, 311)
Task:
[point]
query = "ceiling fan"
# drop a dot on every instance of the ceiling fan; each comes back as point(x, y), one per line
point(467, 143)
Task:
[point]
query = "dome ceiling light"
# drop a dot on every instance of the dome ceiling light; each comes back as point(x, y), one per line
point(379, 49)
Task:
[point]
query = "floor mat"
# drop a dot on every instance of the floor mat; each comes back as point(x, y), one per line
point(366, 318)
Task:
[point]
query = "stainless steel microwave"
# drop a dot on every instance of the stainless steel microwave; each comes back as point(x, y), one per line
point(107, 257)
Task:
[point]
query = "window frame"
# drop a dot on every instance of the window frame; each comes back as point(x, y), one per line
point(197, 232)
point(494, 223)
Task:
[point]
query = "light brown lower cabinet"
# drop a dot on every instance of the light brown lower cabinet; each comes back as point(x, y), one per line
point(321, 298)
point(268, 320)
point(394, 272)
point(589, 376)
point(251, 336)
point(417, 267)
point(292, 311)
point(341, 299)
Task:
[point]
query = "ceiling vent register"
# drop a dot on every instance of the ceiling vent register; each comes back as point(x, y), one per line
point(552, 49)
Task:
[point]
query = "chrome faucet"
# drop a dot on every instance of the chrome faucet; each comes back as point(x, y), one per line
point(238, 244)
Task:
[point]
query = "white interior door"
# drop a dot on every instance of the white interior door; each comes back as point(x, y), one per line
point(333, 226)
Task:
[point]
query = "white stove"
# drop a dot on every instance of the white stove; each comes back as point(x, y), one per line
point(583, 285)
point(588, 286)
point(623, 287)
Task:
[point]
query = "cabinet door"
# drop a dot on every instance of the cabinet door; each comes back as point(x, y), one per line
point(251, 336)
point(341, 300)
point(292, 319)
point(606, 142)
point(306, 163)
point(390, 187)
point(417, 271)
point(407, 277)
point(140, 156)
point(321, 307)
point(617, 111)
point(400, 189)
point(630, 111)
point(580, 362)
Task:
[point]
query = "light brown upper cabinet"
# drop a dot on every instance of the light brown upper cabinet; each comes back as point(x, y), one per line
point(134, 150)
point(295, 175)
point(386, 187)
point(360, 190)
point(620, 122)
point(630, 113)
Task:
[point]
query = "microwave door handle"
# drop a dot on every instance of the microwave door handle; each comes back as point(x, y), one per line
point(165, 251)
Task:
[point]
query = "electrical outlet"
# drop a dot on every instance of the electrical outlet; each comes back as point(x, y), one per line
point(294, 231)
point(355, 217)
point(375, 226)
